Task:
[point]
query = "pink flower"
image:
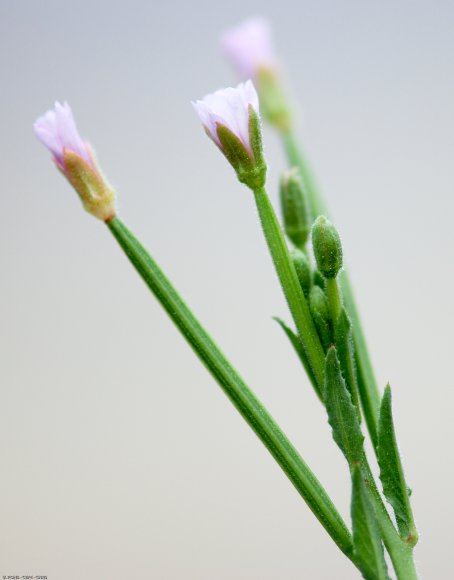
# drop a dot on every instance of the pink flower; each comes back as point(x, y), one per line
point(58, 132)
point(231, 119)
point(229, 108)
point(249, 46)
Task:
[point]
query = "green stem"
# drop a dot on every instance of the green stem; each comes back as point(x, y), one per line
point(334, 299)
point(400, 552)
point(234, 387)
point(291, 285)
point(367, 384)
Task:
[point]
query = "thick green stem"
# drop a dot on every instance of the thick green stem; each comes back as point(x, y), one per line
point(290, 285)
point(367, 384)
point(235, 388)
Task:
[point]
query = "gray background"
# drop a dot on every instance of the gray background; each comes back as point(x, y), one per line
point(120, 457)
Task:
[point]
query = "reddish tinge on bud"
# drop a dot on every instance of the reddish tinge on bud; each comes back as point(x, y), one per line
point(58, 132)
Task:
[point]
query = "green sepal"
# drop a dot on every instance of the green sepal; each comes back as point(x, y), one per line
point(392, 474)
point(299, 349)
point(235, 151)
point(343, 339)
point(257, 178)
point(342, 415)
point(367, 543)
point(303, 270)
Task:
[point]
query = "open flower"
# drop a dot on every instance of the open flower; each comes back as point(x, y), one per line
point(231, 119)
point(57, 130)
point(249, 46)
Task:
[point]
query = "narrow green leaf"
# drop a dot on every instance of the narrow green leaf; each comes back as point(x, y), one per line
point(235, 388)
point(342, 414)
point(299, 349)
point(392, 474)
point(368, 547)
point(344, 343)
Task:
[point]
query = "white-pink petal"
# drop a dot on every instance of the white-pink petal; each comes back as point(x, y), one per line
point(229, 107)
point(57, 130)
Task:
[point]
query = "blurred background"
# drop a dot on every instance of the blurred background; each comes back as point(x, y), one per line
point(120, 456)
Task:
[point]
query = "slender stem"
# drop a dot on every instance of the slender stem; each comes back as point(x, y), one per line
point(367, 384)
point(334, 298)
point(235, 388)
point(290, 285)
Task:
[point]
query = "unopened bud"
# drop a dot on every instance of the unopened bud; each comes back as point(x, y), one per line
point(303, 270)
point(327, 247)
point(294, 208)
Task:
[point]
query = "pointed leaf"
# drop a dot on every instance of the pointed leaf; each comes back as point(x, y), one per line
point(299, 349)
point(367, 544)
point(391, 472)
point(342, 414)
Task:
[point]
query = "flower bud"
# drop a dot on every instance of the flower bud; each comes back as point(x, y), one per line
point(58, 132)
point(327, 247)
point(303, 270)
point(318, 304)
point(294, 208)
point(231, 120)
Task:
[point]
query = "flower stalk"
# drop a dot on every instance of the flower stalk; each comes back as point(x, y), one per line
point(291, 287)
